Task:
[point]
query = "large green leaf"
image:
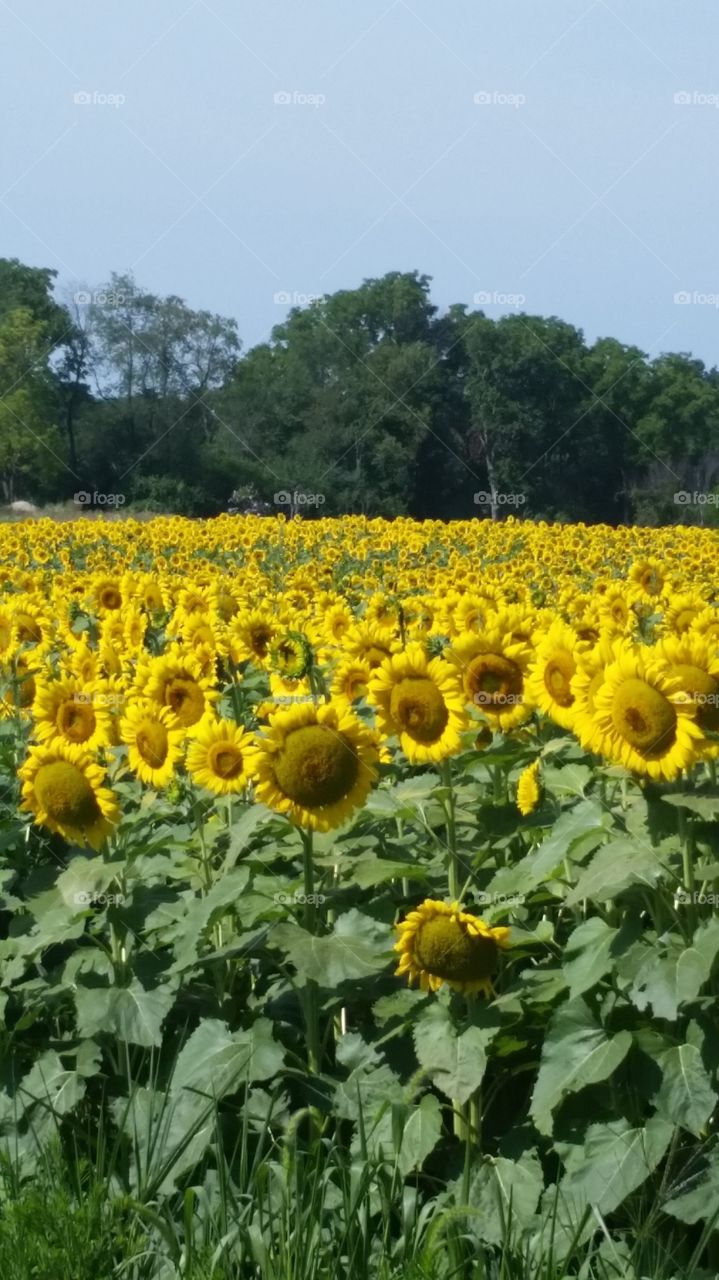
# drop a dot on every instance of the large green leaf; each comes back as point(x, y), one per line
point(357, 948)
point(698, 1198)
point(215, 1061)
point(614, 1160)
point(613, 868)
point(505, 1192)
point(576, 1052)
point(588, 955)
point(685, 1096)
point(576, 833)
point(421, 1134)
point(131, 1013)
point(455, 1063)
point(673, 979)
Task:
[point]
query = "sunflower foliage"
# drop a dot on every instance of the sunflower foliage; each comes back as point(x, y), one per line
point(320, 852)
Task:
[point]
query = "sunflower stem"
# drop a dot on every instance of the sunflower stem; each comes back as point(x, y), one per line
point(687, 838)
point(452, 861)
point(310, 994)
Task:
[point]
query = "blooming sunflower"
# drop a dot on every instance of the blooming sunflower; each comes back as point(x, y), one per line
point(351, 680)
point(179, 681)
point(438, 942)
point(249, 636)
point(291, 655)
point(646, 721)
point(316, 764)
point(154, 740)
point(493, 665)
point(216, 757)
point(63, 787)
point(529, 789)
point(69, 710)
point(422, 701)
point(550, 677)
point(692, 659)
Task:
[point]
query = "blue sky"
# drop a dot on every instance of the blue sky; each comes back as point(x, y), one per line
point(556, 157)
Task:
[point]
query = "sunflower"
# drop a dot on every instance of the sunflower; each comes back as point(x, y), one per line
point(550, 677)
point(493, 664)
point(107, 594)
point(422, 701)
point(370, 642)
point(648, 575)
point(529, 789)
point(216, 757)
point(179, 681)
point(63, 787)
point(438, 942)
point(154, 740)
point(316, 764)
point(291, 655)
point(692, 659)
point(646, 721)
point(351, 680)
point(681, 609)
point(249, 636)
point(69, 710)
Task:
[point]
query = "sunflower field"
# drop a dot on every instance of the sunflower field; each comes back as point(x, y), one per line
point(358, 895)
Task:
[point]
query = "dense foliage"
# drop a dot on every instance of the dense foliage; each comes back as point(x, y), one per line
point(358, 890)
point(367, 397)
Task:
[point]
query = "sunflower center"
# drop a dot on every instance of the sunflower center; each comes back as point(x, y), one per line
point(445, 949)
point(152, 742)
point(76, 721)
point(494, 682)
point(259, 639)
point(65, 794)
point(225, 760)
point(186, 699)
point(644, 718)
point(557, 677)
point(110, 598)
point(29, 631)
point(418, 706)
point(704, 691)
point(316, 766)
point(652, 582)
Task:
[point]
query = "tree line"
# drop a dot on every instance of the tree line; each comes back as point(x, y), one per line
point(369, 400)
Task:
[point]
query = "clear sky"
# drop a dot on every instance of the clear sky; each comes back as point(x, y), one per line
point(533, 151)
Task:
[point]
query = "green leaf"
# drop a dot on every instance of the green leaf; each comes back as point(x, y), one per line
point(588, 955)
point(49, 1082)
point(685, 1096)
point(576, 1052)
point(215, 1061)
point(131, 1013)
point(369, 870)
point(506, 1192)
point(668, 982)
point(700, 1202)
point(706, 806)
point(614, 1160)
point(576, 833)
point(358, 948)
point(421, 1134)
point(455, 1064)
point(613, 868)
